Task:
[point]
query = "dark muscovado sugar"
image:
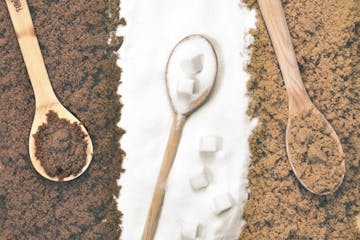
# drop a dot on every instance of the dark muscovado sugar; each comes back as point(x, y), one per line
point(73, 37)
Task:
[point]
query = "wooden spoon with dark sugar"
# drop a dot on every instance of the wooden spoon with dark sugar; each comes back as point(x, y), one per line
point(45, 98)
point(314, 150)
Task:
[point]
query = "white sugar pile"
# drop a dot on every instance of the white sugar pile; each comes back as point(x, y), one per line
point(153, 28)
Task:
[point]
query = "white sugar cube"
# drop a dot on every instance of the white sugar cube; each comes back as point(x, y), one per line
point(208, 144)
point(192, 66)
point(185, 86)
point(199, 180)
point(221, 203)
point(189, 230)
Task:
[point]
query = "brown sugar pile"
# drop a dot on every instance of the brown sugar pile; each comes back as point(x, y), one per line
point(73, 37)
point(314, 152)
point(60, 146)
point(326, 38)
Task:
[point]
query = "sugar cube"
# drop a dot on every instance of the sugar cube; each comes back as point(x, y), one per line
point(221, 203)
point(199, 180)
point(185, 86)
point(189, 230)
point(192, 66)
point(208, 144)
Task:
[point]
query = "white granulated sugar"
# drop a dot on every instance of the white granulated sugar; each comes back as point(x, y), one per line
point(188, 49)
point(153, 29)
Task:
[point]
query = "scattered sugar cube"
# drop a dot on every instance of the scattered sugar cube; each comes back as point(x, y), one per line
point(208, 144)
point(222, 203)
point(185, 86)
point(192, 66)
point(189, 230)
point(199, 180)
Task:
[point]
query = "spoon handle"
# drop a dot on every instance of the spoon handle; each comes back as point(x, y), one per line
point(275, 21)
point(160, 188)
point(29, 45)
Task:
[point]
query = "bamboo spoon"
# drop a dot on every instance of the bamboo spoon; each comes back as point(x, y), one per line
point(45, 98)
point(299, 101)
point(179, 117)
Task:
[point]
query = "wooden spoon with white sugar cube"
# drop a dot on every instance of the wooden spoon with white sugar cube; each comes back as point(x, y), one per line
point(190, 76)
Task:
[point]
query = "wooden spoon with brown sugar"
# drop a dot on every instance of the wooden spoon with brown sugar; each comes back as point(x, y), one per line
point(45, 98)
point(314, 150)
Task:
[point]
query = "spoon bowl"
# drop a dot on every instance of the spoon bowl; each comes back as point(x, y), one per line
point(190, 46)
point(305, 169)
point(39, 119)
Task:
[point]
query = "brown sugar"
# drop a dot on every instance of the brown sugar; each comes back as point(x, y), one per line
point(314, 152)
point(60, 146)
point(82, 68)
point(326, 37)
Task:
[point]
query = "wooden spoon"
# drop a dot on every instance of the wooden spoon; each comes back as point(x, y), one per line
point(299, 101)
point(179, 117)
point(45, 98)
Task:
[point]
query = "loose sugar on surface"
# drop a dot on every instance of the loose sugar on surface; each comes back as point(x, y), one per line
point(147, 116)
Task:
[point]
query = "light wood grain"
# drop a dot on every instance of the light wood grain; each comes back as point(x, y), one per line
point(299, 100)
point(160, 187)
point(275, 21)
point(45, 98)
point(30, 50)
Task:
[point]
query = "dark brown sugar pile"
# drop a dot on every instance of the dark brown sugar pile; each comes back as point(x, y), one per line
point(73, 36)
point(60, 146)
point(314, 152)
point(326, 40)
